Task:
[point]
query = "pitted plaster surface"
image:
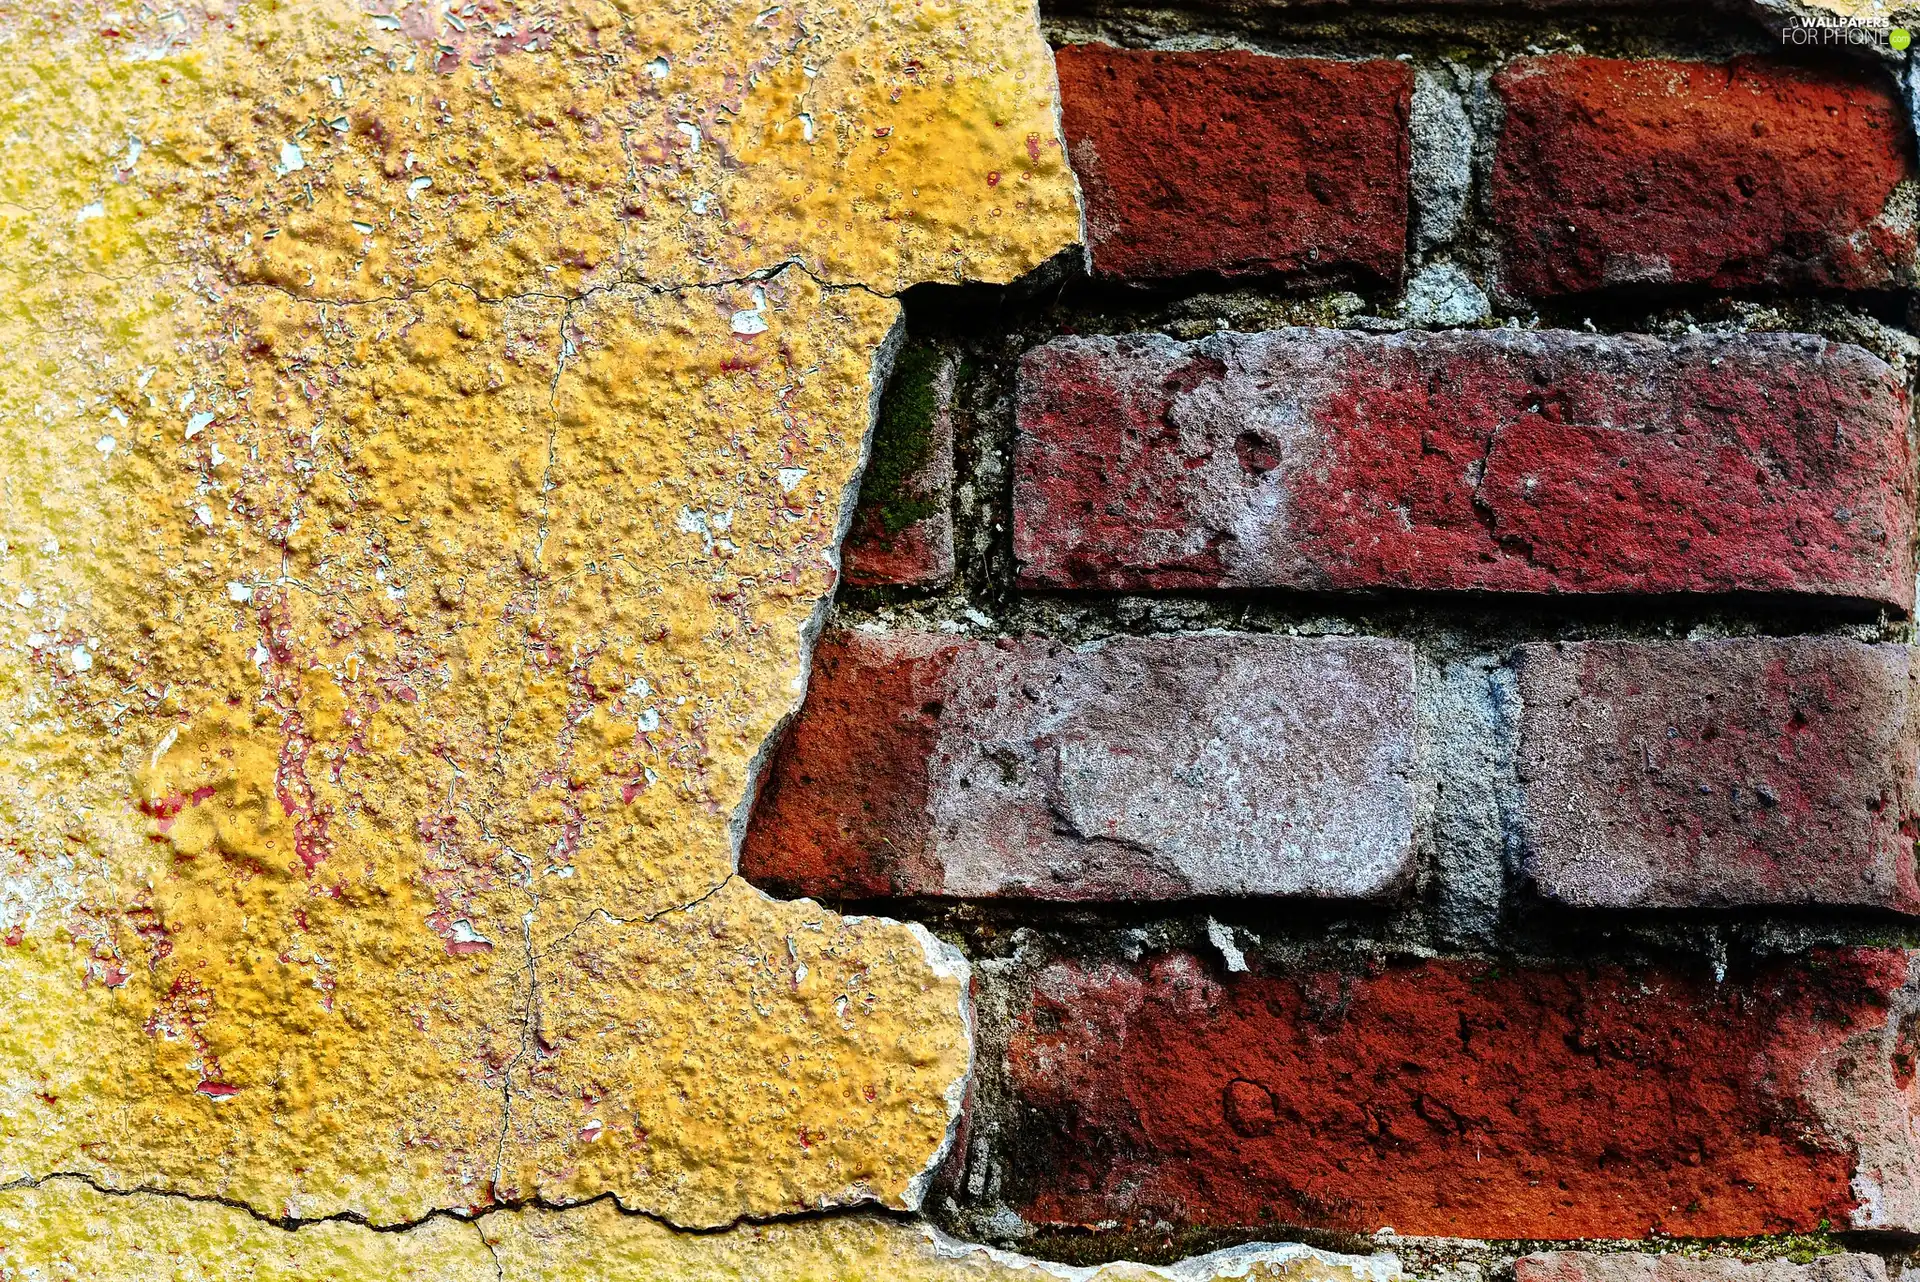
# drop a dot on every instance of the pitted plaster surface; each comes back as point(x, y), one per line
point(67, 1231)
point(402, 566)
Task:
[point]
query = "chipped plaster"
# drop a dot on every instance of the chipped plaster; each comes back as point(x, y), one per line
point(401, 581)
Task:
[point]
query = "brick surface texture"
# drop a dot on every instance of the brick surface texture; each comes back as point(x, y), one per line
point(1617, 173)
point(1465, 1098)
point(1509, 462)
point(1132, 769)
point(1662, 774)
point(1239, 164)
point(1635, 1266)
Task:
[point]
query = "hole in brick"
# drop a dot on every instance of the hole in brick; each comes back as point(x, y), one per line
point(1250, 1108)
point(1257, 454)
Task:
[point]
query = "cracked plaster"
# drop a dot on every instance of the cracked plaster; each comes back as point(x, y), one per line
point(424, 448)
point(75, 1233)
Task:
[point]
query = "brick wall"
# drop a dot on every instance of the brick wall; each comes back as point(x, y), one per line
point(1396, 668)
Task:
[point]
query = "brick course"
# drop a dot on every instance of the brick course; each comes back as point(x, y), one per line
point(1239, 164)
point(1714, 773)
point(1466, 1098)
point(1133, 769)
point(1502, 461)
point(1729, 175)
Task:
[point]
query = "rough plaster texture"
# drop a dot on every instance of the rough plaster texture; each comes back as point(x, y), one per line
point(65, 1230)
point(423, 447)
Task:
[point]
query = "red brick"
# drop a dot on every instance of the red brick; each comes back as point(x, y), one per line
point(902, 533)
point(1634, 1266)
point(1679, 774)
point(1238, 163)
point(1712, 773)
point(1130, 769)
point(1727, 175)
point(1505, 461)
point(1468, 1098)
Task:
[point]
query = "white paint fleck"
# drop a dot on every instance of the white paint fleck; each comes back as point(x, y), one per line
point(790, 477)
point(198, 424)
point(160, 749)
point(81, 658)
point(238, 591)
point(291, 161)
point(203, 514)
point(464, 933)
point(692, 132)
point(1222, 938)
point(648, 721)
point(105, 445)
point(91, 210)
point(745, 322)
point(658, 68)
point(417, 186)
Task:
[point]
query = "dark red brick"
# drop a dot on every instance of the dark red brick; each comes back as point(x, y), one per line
point(902, 533)
point(1238, 163)
point(1505, 461)
point(1728, 175)
point(1131, 769)
point(1467, 1098)
point(1711, 773)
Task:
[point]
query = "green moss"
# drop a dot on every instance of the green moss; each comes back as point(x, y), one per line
point(903, 441)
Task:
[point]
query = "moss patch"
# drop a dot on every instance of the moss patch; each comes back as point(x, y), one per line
point(903, 441)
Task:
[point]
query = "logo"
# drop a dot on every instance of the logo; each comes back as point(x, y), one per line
point(1899, 39)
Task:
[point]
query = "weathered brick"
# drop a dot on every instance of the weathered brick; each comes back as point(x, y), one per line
point(1501, 461)
point(1238, 163)
point(902, 534)
point(1634, 1266)
point(1129, 769)
point(1466, 1098)
point(1728, 175)
point(1699, 773)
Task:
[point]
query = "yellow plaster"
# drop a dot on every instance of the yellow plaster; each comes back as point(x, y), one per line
point(419, 471)
point(67, 1231)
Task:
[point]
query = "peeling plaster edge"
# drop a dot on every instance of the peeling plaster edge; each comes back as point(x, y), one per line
point(1060, 141)
point(943, 959)
point(1229, 1263)
point(947, 962)
point(1233, 1262)
point(816, 623)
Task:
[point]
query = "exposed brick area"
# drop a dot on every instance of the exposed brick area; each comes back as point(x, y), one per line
point(1239, 164)
point(1504, 461)
point(1635, 1266)
point(1396, 667)
point(902, 533)
point(1135, 769)
point(1729, 175)
point(1466, 1098)
point(1708, 773)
